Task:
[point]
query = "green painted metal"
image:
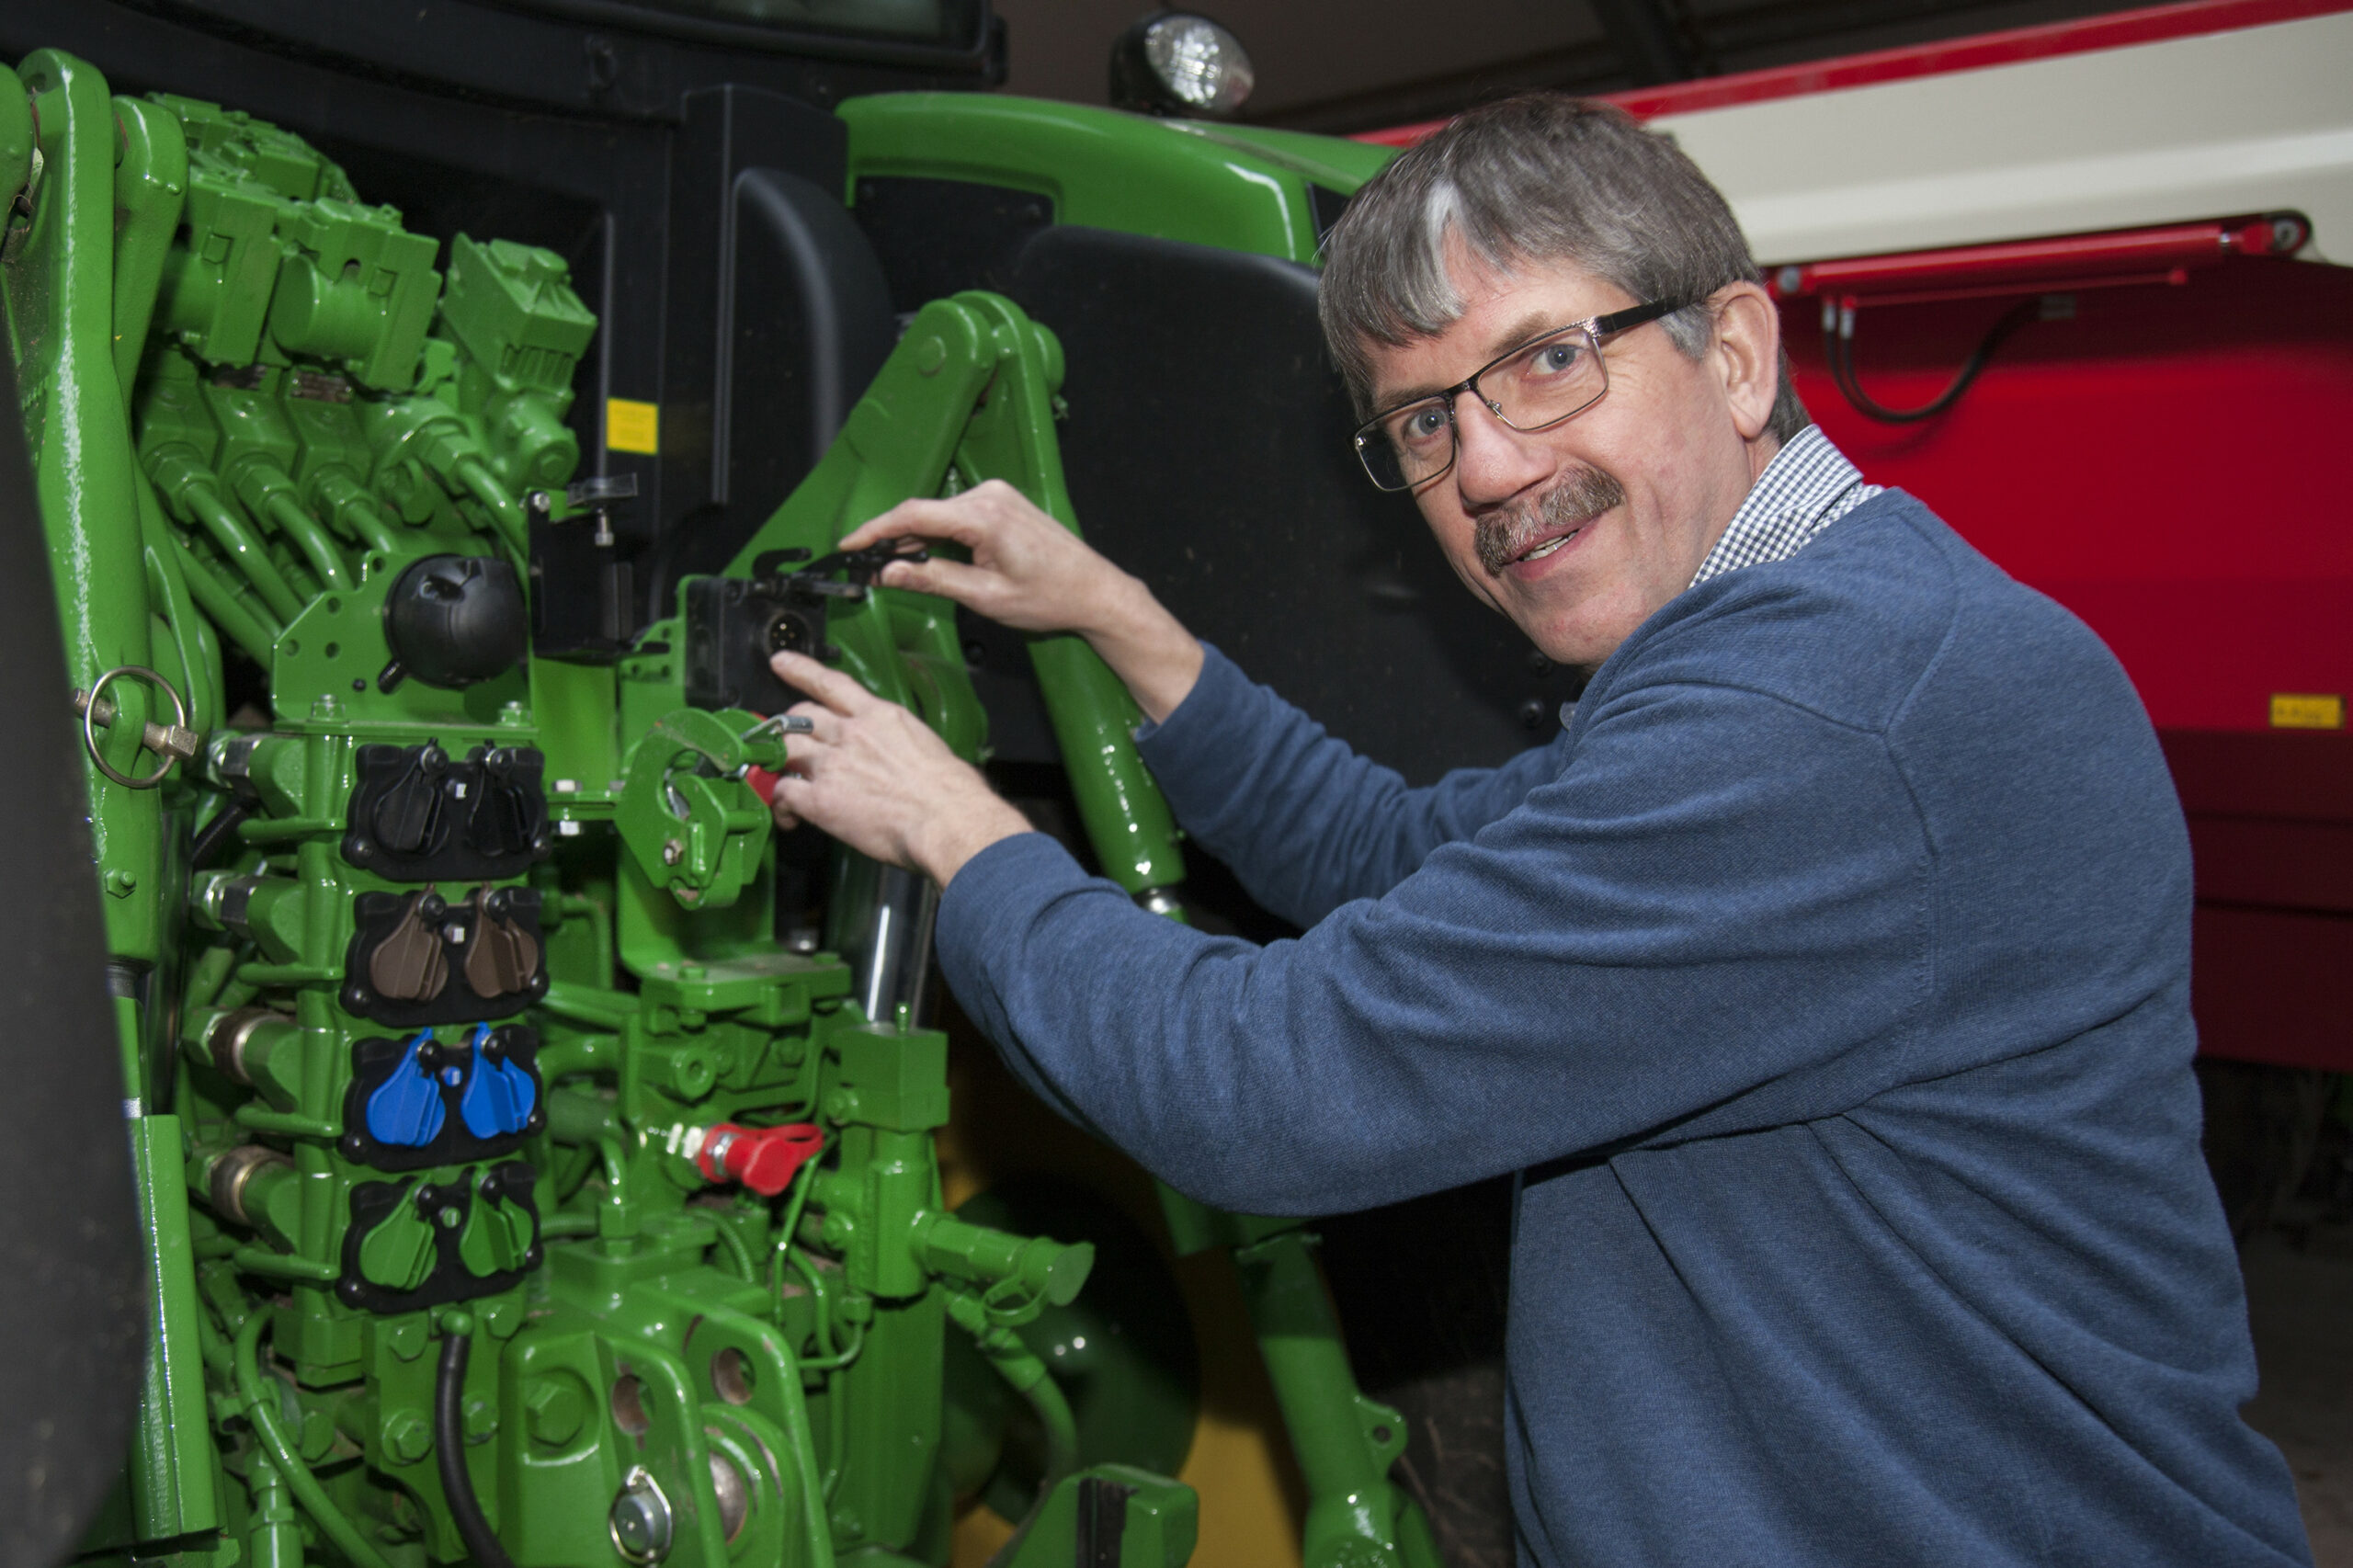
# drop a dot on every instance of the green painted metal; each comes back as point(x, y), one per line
point(264, 392)
point(313, 408)
point(59, 289)
point(1241, 188)
point(173, 1472)
point(1099, 167)
point(1345, 1442)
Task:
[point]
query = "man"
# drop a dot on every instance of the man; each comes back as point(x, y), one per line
point(1825, 979)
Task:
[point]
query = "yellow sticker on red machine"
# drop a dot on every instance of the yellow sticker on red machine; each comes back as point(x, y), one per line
point(633, 427)
point(2307, 710)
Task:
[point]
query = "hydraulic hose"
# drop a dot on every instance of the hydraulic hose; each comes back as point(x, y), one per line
point(354, 510)
point(249, 626)
point(1838, 349)
point(262, 1411)
point(1028, 1377)
point(167, 590)
point(191, 488)
point(317, 547)
point(218, 832)
point(514, 526)
point(450, 1445)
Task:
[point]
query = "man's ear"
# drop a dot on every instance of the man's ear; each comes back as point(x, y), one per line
point(1747, 353)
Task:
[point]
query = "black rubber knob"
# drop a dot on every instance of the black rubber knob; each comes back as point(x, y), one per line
point(453, 620)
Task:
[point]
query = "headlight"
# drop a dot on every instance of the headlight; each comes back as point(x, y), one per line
point(1178, 63)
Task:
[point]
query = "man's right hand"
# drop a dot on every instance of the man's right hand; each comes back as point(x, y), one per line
point(1030, 573)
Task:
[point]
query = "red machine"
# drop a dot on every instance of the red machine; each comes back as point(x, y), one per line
point(2135, 230)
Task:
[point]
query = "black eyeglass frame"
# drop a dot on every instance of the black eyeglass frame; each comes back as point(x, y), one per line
point(1595, 327)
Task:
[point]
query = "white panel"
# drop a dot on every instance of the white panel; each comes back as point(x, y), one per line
point(2248, 122)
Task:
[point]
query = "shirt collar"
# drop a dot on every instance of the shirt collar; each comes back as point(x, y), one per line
point(1808, 485)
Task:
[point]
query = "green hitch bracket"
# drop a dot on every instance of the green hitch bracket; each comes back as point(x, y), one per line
point(686, 816)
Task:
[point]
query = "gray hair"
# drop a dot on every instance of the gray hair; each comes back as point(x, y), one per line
point(1536, 178)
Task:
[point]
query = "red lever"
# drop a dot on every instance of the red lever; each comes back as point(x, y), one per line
point(762, 781)
point(765, 1159)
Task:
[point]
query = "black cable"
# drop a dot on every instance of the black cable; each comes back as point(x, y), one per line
point(450, 1453)
point(1838, 349)
point(218, 831)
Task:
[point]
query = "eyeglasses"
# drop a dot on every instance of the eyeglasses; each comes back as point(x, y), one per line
point(1534, 387)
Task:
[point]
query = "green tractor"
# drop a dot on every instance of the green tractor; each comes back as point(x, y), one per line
point(538, 1158)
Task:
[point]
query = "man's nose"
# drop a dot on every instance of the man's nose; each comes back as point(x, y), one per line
point(1492, 461)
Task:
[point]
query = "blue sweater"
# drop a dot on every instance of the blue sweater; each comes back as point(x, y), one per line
point(1827, 981)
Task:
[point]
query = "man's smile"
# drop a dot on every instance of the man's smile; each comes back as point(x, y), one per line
point(1525, 533)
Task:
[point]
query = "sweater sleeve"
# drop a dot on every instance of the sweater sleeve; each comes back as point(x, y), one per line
point(1695, 929)
point(1306, 824)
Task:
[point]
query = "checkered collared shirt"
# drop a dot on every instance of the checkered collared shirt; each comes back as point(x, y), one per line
point(1808, 486)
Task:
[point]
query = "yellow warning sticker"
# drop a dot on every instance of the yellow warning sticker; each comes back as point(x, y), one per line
point(2306, 711)
point(633, 427)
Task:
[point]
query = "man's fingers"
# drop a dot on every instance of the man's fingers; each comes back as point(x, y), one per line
point(896, 523)
point(835, 690)
point(949, 579)
point(791, 805)
point(922, 517)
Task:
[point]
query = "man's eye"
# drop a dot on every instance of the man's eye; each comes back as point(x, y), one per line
point(1419, 428)
point(1556, 358)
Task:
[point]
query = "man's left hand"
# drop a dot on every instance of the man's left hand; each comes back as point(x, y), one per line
point(877, 778)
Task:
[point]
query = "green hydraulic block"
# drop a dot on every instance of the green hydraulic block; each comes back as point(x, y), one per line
point(216, 289)
point(331, 466)
point(355, 290)
point(172, 1462)
point(512, 308)
point(232, 145)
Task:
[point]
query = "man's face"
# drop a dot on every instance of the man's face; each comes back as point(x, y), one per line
point(1580, 531)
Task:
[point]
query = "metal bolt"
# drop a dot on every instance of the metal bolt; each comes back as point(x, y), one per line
point(553, 1412)
point(407, 1437)
point(673, 852)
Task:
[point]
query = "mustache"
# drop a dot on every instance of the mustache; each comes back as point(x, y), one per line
point(1503, 536)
